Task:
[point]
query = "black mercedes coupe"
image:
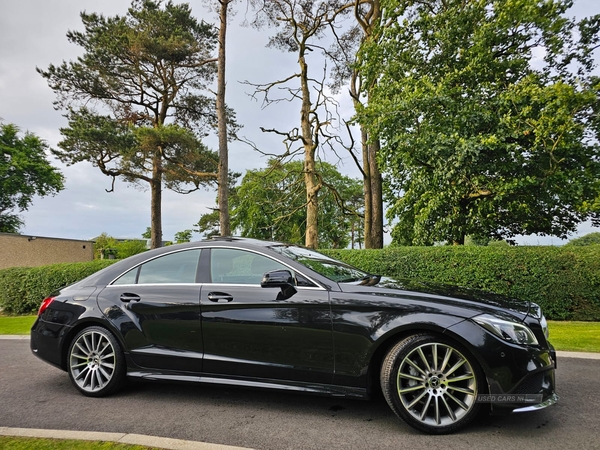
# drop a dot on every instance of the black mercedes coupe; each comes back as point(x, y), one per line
point(244, 312)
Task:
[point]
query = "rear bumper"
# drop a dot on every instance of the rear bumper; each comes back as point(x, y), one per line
point(46, 341)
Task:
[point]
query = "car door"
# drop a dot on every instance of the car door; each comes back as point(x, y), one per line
point(249, 331)
point(156, 305)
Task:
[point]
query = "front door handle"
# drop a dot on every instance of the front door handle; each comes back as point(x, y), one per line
point(126, 298)
point(219, 297)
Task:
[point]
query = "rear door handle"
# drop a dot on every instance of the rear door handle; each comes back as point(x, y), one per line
point(126, 298)
point(219, 297)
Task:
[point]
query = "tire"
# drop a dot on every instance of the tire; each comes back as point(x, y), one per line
point(96, 363)
point(431, 383)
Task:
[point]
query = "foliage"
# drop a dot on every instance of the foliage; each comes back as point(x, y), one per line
point(497, 243)
point(299, 26)
point(24, 173)
point(146, 72)
point(148, 233)
point(481, 136)
point(107, 247)
point(588, 239)
point(347, 72)
point(564, 281)
point(22, 289)
point(121, 150)
point(130, 61)
point(183, 236)
point(125, 249)
point(481, 241)
point(209, 224)
point(270, 204)
point(104, 245)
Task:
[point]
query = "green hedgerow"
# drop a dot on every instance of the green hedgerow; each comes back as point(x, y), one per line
point(22, 289)
point(564, 281)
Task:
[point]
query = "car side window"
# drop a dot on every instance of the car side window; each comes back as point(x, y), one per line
point(180, 267)
point(128, 277)
point(230, 266)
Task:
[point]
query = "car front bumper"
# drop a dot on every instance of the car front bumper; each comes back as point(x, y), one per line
point(548, 402)
point(519, 378)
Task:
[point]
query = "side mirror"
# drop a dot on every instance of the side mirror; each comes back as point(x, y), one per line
point(282, 279)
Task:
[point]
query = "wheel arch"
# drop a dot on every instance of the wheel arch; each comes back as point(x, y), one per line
point(385, 343)
point(85, 323)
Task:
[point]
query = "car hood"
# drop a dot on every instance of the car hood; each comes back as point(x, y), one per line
point(477, 300)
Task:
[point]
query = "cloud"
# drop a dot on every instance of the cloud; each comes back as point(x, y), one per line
point(33, 34)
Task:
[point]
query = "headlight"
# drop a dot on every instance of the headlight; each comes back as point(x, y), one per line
point(507, 330)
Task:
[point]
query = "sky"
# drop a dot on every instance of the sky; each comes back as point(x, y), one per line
point(33, 34)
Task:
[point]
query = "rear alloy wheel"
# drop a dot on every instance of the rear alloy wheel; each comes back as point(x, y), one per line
point(431, 383)
point(96, 362)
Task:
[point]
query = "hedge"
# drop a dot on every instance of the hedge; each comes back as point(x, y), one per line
point(22, 289)
point(564, 281)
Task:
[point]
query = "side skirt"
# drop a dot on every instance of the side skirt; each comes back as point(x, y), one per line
point(311, 388)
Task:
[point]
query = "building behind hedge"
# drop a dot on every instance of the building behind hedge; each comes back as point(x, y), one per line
point(17, 250)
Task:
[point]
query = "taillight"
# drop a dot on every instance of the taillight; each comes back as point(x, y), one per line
point(45, 305)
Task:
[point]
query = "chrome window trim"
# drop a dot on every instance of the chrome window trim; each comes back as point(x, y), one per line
point(307, 288)
point(155, 284)
point(152, 259)
point(318, 287)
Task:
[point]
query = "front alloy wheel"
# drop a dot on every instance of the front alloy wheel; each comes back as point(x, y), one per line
point(96, 363)
point(431, 383)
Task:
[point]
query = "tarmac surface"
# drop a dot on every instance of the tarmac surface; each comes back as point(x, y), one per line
point(184, 444)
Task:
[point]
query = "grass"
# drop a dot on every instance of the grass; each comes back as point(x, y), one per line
point(575, 336)
point(566, 336)
point(16, 324)
point(23, 443)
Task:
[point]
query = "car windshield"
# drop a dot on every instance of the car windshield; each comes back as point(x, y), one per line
point(328, 267)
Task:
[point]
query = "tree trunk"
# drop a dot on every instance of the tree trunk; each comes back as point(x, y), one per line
point(372, 182)
point(376, 237)
point(459, 241)
point(368, 195)
point(373, 234)
point(223, 186)
point(373, 230)
point(312, 188)
point(156, 203)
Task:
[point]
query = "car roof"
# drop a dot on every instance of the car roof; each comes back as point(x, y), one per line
point(248, 241)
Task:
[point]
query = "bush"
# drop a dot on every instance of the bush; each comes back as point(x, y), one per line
point(588, 239)
point(22, 289)
point(564, 281)
point(107, 247)
point(103, 246)
point(126, 249)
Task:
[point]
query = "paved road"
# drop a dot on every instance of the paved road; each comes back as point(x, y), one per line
point(36, 395)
